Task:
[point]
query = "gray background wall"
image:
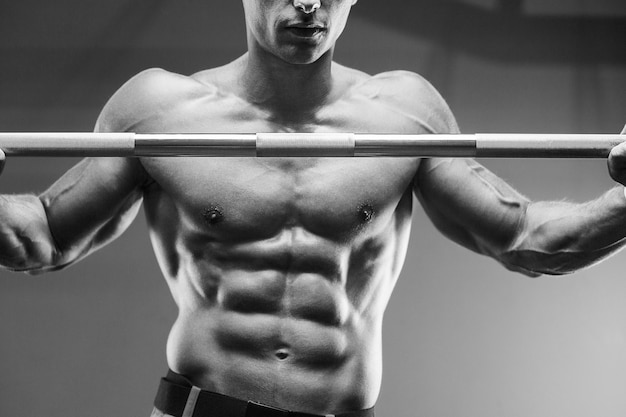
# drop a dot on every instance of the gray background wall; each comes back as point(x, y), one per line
point(463, 336)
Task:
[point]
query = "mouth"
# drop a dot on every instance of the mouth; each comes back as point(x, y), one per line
point(306, 31)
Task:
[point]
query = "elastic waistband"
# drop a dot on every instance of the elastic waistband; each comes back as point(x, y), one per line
point(179, 398)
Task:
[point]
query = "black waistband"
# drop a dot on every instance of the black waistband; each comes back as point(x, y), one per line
point(174, 391)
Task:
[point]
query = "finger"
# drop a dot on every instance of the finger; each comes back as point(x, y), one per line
point(2, 160)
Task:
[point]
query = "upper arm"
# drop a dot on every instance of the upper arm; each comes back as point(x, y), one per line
point(466, 202)
point(470, 204)
point(96, 200)
point(91, 204)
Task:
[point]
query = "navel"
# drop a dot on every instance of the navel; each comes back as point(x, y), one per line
point(213, 215)
point(282, 353)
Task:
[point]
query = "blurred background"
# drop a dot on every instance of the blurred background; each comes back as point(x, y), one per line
point(463, 336)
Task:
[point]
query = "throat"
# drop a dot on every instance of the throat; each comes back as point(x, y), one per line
point(286, 88)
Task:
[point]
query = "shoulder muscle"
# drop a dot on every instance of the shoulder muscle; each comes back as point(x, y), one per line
point(144, 97)
point(414, 94)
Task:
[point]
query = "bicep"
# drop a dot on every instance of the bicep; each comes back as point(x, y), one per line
point(92, 204)
point(470, 204)
point(97, 199)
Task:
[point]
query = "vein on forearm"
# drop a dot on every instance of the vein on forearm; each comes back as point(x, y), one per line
point(561, 237)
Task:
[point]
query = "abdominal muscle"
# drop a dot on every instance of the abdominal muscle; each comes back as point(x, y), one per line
point(290, 340)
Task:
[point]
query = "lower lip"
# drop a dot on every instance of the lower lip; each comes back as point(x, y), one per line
point(310, 34)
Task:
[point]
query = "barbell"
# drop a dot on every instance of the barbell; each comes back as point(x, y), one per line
point(479, 145)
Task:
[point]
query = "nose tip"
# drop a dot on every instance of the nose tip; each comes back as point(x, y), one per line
point(307, 6)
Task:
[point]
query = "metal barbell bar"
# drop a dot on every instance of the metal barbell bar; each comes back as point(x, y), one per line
point(480, 145)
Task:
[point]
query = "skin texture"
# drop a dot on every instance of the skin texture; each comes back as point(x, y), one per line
point(282, 268)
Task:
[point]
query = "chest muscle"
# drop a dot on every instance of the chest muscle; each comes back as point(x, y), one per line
point(256, 198)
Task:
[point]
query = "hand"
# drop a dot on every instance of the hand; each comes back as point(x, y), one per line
point(617, 161)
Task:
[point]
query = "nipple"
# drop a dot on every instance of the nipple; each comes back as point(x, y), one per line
point(366, 213)
point(213, 215)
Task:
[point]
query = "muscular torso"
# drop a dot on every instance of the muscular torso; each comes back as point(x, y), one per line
point(281, 268)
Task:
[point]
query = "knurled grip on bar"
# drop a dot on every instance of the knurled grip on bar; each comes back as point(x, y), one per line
point(396, 145)
point(195, 144)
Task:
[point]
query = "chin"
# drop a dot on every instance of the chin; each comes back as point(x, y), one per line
point(303, 61)
point(302, 57)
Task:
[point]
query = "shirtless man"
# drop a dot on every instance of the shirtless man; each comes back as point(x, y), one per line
point(282, 268)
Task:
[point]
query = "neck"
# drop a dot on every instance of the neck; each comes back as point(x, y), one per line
point(290, 91)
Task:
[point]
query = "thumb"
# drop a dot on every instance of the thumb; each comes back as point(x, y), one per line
point(617, 161)
point(2, 160)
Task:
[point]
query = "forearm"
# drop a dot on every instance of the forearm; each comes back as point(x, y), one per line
point(559, 238)
point(26, 243)
point(88, 207)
